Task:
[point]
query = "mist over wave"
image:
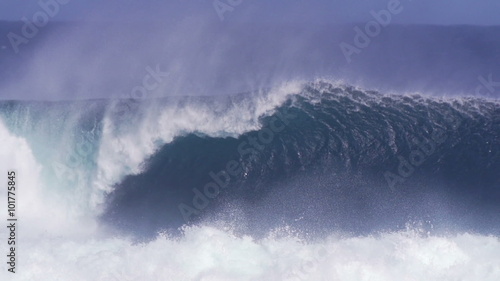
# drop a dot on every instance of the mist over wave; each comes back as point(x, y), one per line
point(84, 61)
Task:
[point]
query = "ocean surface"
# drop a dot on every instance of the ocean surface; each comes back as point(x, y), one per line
point(261, 153)
point(311, 180)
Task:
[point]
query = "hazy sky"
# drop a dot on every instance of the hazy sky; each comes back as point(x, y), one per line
point(484, 12)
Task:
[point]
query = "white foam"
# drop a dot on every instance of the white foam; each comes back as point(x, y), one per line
point(42, 208)
point(207, 253)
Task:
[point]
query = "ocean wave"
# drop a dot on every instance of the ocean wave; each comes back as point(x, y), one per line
point(135, 164)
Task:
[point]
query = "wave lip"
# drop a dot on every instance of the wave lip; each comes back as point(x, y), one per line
point(126, 145)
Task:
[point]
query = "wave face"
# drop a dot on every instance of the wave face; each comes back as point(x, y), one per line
point(328, 158)
point(283, 172)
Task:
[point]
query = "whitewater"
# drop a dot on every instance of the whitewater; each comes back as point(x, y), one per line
point(81, 163)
